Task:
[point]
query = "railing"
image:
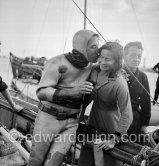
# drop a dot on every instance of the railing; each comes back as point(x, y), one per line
point(23, 119)
point(29, 111)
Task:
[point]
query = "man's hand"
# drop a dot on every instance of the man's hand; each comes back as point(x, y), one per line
point(82, 88)
point(144, 130)
point(17, 108)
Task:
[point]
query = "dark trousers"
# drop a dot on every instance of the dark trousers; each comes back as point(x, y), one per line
point(87, 158)
point(134, 131)
point(135, 127)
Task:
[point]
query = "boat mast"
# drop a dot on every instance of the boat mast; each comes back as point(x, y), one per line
point(0, 48)
point(85, 13)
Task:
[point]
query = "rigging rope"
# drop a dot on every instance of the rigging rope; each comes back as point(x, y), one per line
point(140, 83)
point(89, 20)
point(30, 24)
point(9, 65)
point(143, 154)
point(139, 28)
point(42, 27)
point(68, 27)
point(134, 11)
point(106, 41)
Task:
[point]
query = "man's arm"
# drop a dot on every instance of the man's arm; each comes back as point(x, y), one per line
point(52, 94)
point(47, 90)
point(125, 107)
point(49, 81)
point(6, 95)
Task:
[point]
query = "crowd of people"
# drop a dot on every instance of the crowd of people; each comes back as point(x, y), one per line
point(110, 77)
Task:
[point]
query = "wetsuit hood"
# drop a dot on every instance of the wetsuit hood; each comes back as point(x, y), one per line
point(80, 40)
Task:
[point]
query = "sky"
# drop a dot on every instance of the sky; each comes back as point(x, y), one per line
point(46, 27)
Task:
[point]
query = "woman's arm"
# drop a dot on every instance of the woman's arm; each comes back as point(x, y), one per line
point(124, 104)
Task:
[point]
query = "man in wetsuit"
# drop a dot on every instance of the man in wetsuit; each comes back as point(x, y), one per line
point(61, 90)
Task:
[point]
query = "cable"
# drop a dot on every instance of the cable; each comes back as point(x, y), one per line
point(9, 65)
point(140, 83)
point(138, 24)
point(89, 21)
point(42, 27)
point(64, 45)
point(27, 92)
point(30, 24)
point(139, 28)
point(143, 154)
point(137, 19)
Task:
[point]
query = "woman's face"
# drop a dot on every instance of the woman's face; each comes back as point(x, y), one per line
point(106, 60)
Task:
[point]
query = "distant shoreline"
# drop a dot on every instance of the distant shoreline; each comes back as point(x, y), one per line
point(4, 56)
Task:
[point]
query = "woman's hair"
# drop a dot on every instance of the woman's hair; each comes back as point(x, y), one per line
point(118, 52)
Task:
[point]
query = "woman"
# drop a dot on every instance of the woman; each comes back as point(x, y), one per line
point(111, 111)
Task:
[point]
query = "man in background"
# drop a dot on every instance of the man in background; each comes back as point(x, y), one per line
point(138, 88)
point(156, 69)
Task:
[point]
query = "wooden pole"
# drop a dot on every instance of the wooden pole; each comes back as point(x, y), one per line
point(85, 13)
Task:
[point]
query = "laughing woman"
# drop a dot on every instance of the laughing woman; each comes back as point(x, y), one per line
point(111, 111)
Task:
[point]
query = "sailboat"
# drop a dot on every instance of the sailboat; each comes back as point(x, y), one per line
point(26, 74)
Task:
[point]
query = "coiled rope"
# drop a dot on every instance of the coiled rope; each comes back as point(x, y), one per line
point(143, 154)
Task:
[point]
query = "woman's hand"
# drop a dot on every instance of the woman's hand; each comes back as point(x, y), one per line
point(106, 144)
point(144, 129)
